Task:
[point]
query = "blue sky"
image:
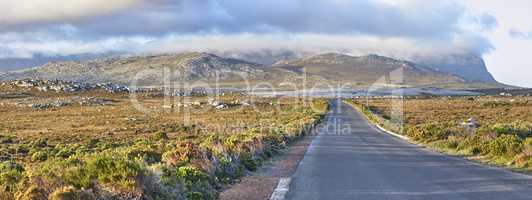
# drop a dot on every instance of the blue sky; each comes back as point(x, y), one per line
point(500, 32)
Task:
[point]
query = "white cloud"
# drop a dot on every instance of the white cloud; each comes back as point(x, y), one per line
point(22, 46)
point(403, 27)
point(390, 27)
point(16, 12)
point(518, 34)
point(510, 61)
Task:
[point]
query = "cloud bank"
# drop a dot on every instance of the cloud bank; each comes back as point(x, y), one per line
point(519, 34)
point(63, 27)
point(28, 12)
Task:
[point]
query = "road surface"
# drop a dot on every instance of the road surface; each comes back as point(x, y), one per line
point(365, 163)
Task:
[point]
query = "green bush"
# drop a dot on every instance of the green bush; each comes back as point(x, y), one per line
point(10, 174)
point(452, 144)
point(503, 129)
point(429, 132)
point(33, 193)
point(528, 141)
point(472, 144)
point(504, 145)
point(78, 177)
point(147, 155)
point(64, 152)
point(39, 156)
point(493, 104)
point(40, 143)
point(248, 162)
point(70, 193)
point(22, 149)
point(110, 168)
point(527, 146)
point(519, 128)
point(197, 184)
point(6, 139)
point(228, 171)
point(93, 143)
point(161, 135)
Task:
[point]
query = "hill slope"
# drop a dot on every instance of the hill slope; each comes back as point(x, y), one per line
point(151, 70)
point(365, 69)
point(203, 67)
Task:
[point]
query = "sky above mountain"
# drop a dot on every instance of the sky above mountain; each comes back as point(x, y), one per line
point(501, 32)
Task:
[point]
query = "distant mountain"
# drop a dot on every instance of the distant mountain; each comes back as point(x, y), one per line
point(329, 68)
point(265, 56)
point(365, 69)
point(467, 66)
point(151, 70)
point(9, 64)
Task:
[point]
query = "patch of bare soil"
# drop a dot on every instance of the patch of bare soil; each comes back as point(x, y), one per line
point(261, 184)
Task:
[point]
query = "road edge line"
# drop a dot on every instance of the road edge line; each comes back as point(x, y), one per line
point(356, 108)
point(391, 133)
point(282, 189)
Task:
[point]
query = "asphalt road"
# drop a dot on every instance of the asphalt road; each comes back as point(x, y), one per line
point(365, 163)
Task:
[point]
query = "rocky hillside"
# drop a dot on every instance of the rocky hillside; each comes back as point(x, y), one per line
point(467, 66)
point(150, 70)
point(365, 69)
point(8, 64)
point(204, 67)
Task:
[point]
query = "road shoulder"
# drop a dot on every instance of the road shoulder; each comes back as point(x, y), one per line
point(262, 183)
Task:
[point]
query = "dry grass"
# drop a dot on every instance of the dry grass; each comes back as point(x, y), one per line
point(117, 151)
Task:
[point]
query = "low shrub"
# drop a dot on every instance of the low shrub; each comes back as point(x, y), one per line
point(93, 143)
point(504, 145)
point(228, 170)
point(10, 174)
point(161, 135)
point(493, 104)
point(33, 193)
point(519, 128)
point(78, 177)
point(452, 143)
point(473, 144)
point(197, 184)
point(40, 143)
point(108, 168)
point(248, 162)
point(527, 146)
point(429, 132)
point(6, 139)
point(523, 160)
point(70, 193)
point(64, 151)
point(113, 169)
point(39, 156)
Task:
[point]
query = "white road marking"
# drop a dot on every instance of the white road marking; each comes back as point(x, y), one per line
point(391, 133)
point(282, 188)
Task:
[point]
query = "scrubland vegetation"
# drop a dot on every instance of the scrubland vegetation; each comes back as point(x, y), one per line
point(117, 152)
point(502, 136)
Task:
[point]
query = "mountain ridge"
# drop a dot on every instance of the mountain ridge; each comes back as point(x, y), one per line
point(209, 67)
point(468, 66)
point(366, 69)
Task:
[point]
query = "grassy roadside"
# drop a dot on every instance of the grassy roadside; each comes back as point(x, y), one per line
point(507, 145)
point(154, 158)
point(375, 118)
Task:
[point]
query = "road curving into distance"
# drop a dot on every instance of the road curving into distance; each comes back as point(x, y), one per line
point(351, 159)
